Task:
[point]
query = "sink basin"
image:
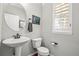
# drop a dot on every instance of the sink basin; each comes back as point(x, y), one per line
point(15, 42)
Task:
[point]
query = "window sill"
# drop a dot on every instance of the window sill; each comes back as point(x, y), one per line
point(66, 33)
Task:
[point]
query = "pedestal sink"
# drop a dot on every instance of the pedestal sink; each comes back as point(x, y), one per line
point(16, 43)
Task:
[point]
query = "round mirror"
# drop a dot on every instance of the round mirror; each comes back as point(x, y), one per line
point(15, 16)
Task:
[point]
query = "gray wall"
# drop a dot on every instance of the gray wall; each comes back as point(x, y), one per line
point(67, 44)
point(31, 9)
point(0, 22)
point(6, 31)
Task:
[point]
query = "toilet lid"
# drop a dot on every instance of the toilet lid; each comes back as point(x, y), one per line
point(43, 49)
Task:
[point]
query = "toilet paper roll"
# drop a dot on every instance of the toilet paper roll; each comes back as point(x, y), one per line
point(54, 43)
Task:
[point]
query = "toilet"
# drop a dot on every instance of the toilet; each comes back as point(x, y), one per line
point(42, 51)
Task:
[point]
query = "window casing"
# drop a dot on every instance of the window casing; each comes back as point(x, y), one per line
point(62, 18)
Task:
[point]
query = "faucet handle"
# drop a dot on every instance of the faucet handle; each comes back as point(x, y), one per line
point(18, 35)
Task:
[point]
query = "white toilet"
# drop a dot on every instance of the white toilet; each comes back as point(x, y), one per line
point(42, 51)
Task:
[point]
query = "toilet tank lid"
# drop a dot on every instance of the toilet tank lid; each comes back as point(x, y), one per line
point(37, 39)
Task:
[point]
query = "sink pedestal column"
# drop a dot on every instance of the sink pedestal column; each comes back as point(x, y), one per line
point(18, 51)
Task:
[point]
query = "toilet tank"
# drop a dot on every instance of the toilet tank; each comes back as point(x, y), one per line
point(36, 42)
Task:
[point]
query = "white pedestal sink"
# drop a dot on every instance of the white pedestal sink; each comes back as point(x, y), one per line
point(16, 43)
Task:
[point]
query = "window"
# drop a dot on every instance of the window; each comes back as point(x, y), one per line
point(62, 18)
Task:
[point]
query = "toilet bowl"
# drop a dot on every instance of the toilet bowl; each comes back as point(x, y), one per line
point(42, 51)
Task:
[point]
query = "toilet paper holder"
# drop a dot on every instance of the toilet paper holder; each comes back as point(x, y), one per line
point(54, 43)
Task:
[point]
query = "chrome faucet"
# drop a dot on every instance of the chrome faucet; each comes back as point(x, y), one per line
point(17, 36)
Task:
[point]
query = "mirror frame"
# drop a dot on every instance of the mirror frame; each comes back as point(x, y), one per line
point(23, 21)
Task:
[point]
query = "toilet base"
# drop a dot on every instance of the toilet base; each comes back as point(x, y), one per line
point(36, 54)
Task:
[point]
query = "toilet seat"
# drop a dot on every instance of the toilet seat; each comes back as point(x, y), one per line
point(43, 51)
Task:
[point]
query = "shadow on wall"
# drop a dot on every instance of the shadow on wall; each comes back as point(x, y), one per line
point(3, 51)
